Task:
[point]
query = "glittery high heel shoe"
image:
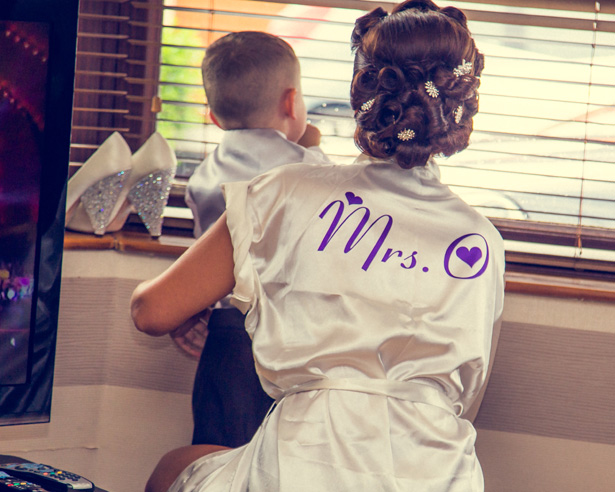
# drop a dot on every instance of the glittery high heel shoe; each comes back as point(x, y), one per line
point(153, 169)
point(96, 193)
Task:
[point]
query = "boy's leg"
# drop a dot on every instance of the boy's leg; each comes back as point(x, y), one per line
point(228, 402)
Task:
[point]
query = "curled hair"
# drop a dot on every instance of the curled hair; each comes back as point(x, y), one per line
point(395, 56)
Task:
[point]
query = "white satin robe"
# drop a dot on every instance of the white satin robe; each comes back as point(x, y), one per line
point(372, 293)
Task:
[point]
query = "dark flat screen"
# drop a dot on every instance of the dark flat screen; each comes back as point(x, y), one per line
point(37, 58)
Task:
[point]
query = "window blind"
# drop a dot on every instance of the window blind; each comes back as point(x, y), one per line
point(541, 163)
point(116, 76)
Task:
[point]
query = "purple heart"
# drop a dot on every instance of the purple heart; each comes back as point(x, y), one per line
point(353, 199)
point(469, 256)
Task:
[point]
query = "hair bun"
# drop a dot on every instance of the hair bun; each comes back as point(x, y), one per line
point(455, 13)
point(422, 5)
point(364, 23)
point(412, 97)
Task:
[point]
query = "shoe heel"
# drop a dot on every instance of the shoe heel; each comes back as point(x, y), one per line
point(99, 200)
point(149, 196)
point(153, 170)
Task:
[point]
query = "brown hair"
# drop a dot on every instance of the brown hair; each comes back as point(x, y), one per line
point(243, 74)
point(396, 55)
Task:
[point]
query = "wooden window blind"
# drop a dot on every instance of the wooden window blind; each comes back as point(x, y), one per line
point(116, 76)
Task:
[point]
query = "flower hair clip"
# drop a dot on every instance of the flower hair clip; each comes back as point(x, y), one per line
point(406, 134)
point(367, 105)
point(464, 69)
point(431, 89)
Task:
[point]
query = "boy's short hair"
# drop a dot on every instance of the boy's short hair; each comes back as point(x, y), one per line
point(243, 74)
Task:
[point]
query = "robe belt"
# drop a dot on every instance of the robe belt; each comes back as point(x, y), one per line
point(413, 391)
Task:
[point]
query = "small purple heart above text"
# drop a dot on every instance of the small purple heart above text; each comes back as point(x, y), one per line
point(353, 199)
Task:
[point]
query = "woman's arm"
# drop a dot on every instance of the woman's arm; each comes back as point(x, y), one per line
point(199, 278)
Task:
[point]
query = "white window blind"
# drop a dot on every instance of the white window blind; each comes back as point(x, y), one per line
point(541, 163)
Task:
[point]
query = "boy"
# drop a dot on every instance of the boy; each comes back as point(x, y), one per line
point(252, 84)
point(253, 88)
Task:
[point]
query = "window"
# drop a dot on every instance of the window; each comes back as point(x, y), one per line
point(541, 163)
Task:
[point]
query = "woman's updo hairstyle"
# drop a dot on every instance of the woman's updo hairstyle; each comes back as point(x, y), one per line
point(414, 89)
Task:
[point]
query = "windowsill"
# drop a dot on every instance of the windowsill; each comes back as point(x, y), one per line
point(129, 241)
point(519, 278)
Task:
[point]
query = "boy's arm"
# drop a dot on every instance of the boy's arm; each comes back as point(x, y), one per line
point(199, 278)
point(191, 335)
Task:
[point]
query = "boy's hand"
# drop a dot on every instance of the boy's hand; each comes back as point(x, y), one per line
point(191, 335)
point(311, 137)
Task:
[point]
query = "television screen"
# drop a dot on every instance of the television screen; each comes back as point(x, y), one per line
point(37, 56)
point(23, 71)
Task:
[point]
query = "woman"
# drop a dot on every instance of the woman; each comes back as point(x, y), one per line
point(371, 290)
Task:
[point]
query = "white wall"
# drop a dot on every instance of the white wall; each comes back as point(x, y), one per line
point(547, 421)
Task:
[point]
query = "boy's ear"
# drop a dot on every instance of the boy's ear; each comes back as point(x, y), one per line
point(288, 101)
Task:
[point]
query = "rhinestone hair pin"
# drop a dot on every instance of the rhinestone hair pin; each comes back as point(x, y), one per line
point(464, 69)
point(406, 135)
point(367, 105)
point(458, 114)
point(431, 89)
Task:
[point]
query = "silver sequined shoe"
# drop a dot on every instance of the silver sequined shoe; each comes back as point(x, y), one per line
point(96, 193)
point(153, 169)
